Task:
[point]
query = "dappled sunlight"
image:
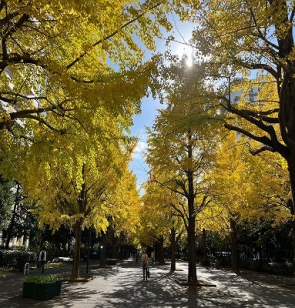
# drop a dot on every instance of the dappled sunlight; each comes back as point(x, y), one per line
point(126, 287)
point(123, 286)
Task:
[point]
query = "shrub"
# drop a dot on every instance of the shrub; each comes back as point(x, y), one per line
point(16, 259)
point(279, 269)
point(41, 278)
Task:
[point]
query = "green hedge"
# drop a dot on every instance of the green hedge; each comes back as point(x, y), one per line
point(16, 259)
point(42, 278)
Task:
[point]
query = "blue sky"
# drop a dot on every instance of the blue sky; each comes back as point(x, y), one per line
point(149, 106)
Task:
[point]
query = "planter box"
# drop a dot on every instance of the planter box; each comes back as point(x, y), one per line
point(44, 290)
point(57, 287)
point(28, 288)
point(41, 287)
point(41, 290)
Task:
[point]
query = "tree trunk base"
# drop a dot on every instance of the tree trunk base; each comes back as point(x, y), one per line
point(198, 283)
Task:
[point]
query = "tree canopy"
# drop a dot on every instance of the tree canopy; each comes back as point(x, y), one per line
point(61, 59)
point(260, 39)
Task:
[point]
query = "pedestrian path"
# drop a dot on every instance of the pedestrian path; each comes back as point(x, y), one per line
point(122, 286)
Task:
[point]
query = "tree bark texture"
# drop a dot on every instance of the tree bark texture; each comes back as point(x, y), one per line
point(173, 251)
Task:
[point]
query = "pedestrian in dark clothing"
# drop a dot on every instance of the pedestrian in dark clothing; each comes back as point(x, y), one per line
point(42, 260)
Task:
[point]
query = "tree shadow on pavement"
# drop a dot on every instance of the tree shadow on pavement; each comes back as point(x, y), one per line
point(124, 287)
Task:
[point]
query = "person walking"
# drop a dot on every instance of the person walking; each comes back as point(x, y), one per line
point(42, 260)
point(145, 265)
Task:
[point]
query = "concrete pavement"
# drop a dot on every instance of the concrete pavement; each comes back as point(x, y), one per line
point(123, 286)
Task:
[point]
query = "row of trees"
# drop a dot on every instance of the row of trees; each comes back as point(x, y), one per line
point(192, 156)
point(72, 77)
point(69, 91)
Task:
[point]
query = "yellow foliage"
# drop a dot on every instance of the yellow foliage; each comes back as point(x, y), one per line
point(243, 191)
point(64, 58)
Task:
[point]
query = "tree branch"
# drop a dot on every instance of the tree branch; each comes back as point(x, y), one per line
point(83, 54)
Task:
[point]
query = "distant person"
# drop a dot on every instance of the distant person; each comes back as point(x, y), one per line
point(145, 265)
point(42, 260)
point(153, 257)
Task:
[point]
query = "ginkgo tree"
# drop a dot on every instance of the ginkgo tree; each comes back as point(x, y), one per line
point(181, 146)
point(74, 179)
point(185, 156)
point(245, 37)
point(61, 58)
point(79, 202)
point(71, 81)
point(243, 193)
point(124, 209)
point(161, 218)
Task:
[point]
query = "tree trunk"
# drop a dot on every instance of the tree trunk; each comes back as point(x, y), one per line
point(76, 260)
point(88, 251)
point(234, 246)
point(287, 126)
point(12, 220)
point(191, 226)
point(204, 245)
point(161, 250)
point(103, 251)
point(192, 271)
point(191, 233)
point(191, 241)
point(117, 250)
point(291, 208)
point(293, 250)
point(173, 251)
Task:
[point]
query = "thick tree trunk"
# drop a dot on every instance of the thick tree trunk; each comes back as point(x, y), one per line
point(191, 241)
point(173, 251)
point(234, 246)
point(291, 202)
point(291, 167)
point(293, 250)
point(291, 208)
point(76, 260)
point(191, 227)
point(287, 123)
point(192, 271)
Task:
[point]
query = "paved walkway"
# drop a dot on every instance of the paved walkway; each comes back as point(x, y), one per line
point(122, 286)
